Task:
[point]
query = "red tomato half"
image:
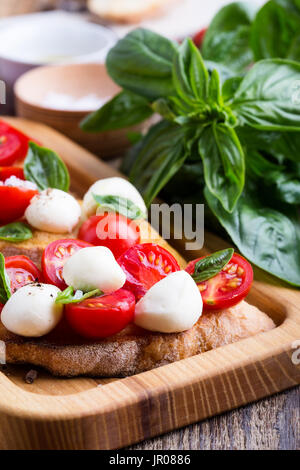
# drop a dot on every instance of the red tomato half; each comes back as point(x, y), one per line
point(103, 316)
point(228, 287)
point(13, 144)
point(21, 271)
point(54, 258)
point(13, 202)
point(199, 37)
point(112, 230)
point(8, 171)
point(145, 265)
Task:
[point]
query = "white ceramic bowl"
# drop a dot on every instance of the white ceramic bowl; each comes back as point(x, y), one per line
point(48, 38)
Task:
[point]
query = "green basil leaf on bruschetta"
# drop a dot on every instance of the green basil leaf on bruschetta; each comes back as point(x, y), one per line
point(211, 265)
point(121, 205)
point(5, 290)
point(70, 296)
point(15, 232)
point(43, 167)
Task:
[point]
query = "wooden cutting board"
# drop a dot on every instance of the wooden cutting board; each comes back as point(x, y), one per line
point(83, 413)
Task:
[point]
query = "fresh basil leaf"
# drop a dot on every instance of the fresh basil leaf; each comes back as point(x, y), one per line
point(162, 107)
point(160, 155)
point(15, 232)
point(269, 237)
point(285, 186)
point(121, 205)
point(142, 63)
point(44, 168)
point(211, 265)
point(224, 164)
point(294, 51)
point(190, 75)
point(5, 290)
point(134, 137)
point(227, 39)
point(132, 155)
point(266, 97)
point(214, 91)
point(230, 87)
point(224, 72)
point(279, 180)
point(285, 145)
point(124, 110)
point(68, 296)
point(278, 145)
point(259, 166)
point(274, 29)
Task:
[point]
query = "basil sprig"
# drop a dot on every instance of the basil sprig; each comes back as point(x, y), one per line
point(5, 290)
point(230, 128)
point(69, 296)
point(121, 205)
point(44, 168)
point(15, 233)
point(211, 265)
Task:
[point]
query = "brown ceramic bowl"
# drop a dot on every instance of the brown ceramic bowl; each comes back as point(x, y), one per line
point(77, 81)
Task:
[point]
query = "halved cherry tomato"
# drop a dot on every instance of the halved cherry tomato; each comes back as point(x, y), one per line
point(199, 37)
point(55, 256)
point(145, 265)
point(8, 171)
point(103, 316)
point(114, 231)
point(228, 287)
point(13, 144)
point(13, 202)
point(21, 271)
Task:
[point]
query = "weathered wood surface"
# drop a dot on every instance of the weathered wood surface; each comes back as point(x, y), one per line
point(270, 424)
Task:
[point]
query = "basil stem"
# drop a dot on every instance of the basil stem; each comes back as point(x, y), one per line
point(68, 296)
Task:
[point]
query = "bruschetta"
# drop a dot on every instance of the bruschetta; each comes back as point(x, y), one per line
point(89, 288)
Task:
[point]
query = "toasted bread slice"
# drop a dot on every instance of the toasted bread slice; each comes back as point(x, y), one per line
point(133, 350)
point(127, 11)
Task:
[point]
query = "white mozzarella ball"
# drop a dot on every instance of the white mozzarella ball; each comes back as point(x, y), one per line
point(111, 187)
point(32, 311)
point(172, 305)
point(94, 268)
point(53, 211)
